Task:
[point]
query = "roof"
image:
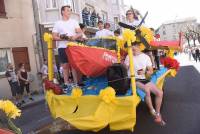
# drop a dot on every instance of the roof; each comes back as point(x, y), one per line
point(180, 20)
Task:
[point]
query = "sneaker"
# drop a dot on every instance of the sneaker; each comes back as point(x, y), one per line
point(19, 105)
point(22, 102)
point(31, 99)
point(68, 89)
point(63, 86)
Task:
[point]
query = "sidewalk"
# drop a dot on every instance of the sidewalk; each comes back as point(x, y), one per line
point(40, 97)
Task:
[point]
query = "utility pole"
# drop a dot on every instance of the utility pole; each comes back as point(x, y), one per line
point(38, 34)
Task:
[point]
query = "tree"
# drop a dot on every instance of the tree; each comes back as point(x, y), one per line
point(187, 37)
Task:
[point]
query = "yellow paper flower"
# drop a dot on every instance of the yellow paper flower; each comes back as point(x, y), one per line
point(76, 92)
point(129, 35)
point(10, 109)
point(147, 33)
point(108, 95)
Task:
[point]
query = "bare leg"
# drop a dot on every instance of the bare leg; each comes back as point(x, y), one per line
point(158, 93)
point(75, 76)
point(66, 72)
point(148, 95)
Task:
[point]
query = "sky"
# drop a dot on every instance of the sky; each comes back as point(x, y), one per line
point(160, 11)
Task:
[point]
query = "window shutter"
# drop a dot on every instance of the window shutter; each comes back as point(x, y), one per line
point(20, 55)
point(2, 9)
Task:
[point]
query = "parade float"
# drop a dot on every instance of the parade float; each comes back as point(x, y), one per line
point(96, 105)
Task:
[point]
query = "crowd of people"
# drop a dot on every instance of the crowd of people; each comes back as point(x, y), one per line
point(193, 52)
point(90, 18)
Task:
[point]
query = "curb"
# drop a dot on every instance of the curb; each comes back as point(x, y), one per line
point(23, 107)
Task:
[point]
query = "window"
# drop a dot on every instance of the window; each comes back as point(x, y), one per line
point(5, 58)
point(70, 3)
point(20, 55)
point(104, 16)
point(114, 1)
point(2, 9)
point(51, 4)
point(116, 20)
point(164, 33)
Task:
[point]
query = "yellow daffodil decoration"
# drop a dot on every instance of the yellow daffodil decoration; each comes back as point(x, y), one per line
point(108, 95)
point(129, 35)
point(76, 92)
point(147, 34)
point(10, 109)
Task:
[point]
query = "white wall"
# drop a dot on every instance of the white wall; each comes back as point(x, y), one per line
point(17, 30)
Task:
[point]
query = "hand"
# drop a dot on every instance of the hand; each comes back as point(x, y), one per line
point(140, 72)
point(71, 38)
point(64, 37)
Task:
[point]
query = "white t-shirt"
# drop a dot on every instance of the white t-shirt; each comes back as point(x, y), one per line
point(44, 69)
point(65, 27)
point(141, 61)
point(134, 23)
point(104, 33)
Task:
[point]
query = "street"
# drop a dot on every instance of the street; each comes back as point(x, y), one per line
point(180, 109)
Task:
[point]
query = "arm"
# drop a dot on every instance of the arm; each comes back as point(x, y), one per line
point(78, 34)
point(149, 70)
point(8, 76)
point(56, 36)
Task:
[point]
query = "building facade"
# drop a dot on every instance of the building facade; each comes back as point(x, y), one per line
point(111, 11)
point(170, 30)
point(48, 12)
point(17, 40)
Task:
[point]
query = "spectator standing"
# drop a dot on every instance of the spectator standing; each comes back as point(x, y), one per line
point(194, 54)
point(23, 80)
point(85, 16)
point(44, 70)
point(197, 53)
point(14, 85)
point(93, 18)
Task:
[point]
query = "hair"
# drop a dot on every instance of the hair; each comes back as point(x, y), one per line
point(100, 22)
point(20, 65)
point(134, 14)
point(152, 29)
point(117, 31)
point(63, 8)
point(82, 25)
point(8, 65)
point(106, 24)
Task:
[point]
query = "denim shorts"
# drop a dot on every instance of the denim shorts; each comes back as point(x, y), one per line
point(15, 88)
point(62, 55)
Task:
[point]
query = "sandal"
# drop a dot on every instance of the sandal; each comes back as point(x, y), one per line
point(158, 119)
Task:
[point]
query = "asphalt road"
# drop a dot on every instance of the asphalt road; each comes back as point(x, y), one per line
point(181, 109)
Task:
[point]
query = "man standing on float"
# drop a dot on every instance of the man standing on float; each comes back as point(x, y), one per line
point(66, 30)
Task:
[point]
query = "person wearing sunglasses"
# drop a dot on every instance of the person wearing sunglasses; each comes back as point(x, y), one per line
point(132, 18)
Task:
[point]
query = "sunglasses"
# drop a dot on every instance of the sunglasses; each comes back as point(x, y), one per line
point(129, 14)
